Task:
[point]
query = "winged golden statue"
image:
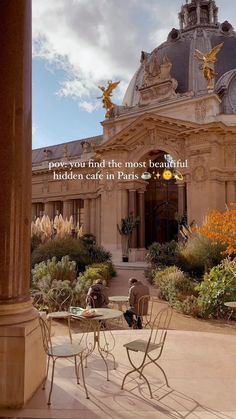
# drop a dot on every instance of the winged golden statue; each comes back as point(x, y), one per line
point(106, 97)
point(208, 60)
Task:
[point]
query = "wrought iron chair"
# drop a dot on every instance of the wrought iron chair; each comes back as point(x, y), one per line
point(147, 316)
point(152, 348)
point(60, 298)
point(62, 350)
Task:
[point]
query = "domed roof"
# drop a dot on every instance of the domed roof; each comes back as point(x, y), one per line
point(199, 29)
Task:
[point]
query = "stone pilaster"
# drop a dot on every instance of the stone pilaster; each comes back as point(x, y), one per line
point(67, 209)
point(141, 211)
point(48, 209)
point(86, 225)
point(133, 212)
point(93, 216)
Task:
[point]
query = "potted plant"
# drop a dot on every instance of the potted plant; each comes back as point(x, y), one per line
point(125, 229)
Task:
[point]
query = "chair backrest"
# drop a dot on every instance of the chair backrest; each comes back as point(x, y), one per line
point(160, 325)
point(143, 302)
point(47, 343)
point(59, 299)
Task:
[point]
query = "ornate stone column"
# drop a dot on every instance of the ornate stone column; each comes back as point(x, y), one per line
point(133, 212)
point(48, 209)
point(34, 211)
point(141, 208)
point(67, 209)
point(21, 370)
point(230, 192)
point(181, 199)
point(86, 225)
point(93, 216)
point(98, 220)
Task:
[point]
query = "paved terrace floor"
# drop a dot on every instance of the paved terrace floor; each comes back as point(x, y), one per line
point(199, 360)
point(200, 367)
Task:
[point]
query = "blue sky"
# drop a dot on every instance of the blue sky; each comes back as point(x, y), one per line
point(77, 48)
point(58, 119)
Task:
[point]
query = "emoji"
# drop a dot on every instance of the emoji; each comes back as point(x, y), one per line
point(178, 175)
point(167, 175)
point(146, 175)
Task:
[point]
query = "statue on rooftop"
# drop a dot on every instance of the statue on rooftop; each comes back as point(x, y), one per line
point(208, 60)
point(106, 97)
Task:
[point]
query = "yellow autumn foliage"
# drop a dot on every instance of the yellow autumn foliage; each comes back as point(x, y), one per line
point(221, 228)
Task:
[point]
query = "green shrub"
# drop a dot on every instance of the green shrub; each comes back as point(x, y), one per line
point(53, 284)
point(35, 242)
point(93, 272)
point(218, 287)
point(176, 288)
point(165, 254)
point(199, 255)
point(79, 252)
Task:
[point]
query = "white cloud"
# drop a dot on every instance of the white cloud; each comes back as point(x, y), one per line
point(98, 40)
point(95, 41)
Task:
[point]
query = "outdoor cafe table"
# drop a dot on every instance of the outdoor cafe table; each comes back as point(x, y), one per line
point(231, 304)
point(97, 325)
point(120, 300)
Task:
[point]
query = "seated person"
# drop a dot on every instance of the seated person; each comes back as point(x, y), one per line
point(136, 291)
point(97, 295)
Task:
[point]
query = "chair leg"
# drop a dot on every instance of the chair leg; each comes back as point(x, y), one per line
point(82, 370)
point(44, 382)
point(52, 377)
point(76, 370)
point(68, 320)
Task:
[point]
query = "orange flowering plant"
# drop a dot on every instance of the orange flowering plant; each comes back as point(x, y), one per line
point(221, 228)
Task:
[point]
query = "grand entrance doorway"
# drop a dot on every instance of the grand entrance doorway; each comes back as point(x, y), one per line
point(161, 206)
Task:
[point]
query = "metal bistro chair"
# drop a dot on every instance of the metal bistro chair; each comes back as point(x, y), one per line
point(147, 301)
point(62, 350)
point(152, 348)
point(60, 298)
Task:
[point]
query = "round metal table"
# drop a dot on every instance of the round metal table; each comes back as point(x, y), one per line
point(120, 300)
point(96, 324)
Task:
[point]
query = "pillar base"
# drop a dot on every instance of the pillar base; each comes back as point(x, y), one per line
point(22, 357)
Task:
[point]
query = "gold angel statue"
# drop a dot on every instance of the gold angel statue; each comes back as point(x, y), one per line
point(106, 97)
point(208, 60)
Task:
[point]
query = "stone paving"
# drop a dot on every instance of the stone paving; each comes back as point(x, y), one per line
point(198, 358)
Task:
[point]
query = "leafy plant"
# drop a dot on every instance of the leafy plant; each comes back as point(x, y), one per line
point(176, 288)
point(125, 229)
point(82, 254)
point(165, 254)
point(218, 287)
point(221, 228)
point(199, 255)
point(55, 285)
point(85, 280)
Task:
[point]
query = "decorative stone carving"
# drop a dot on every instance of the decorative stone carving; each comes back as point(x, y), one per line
point(158, 83)
point(199, 174)
point(200, 111)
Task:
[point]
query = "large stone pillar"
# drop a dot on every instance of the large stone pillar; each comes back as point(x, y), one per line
point(21, 354)
point(49, 209)
point(93, 216)
point(67, 209)
point(230, 191)
point(98, 220)
point(181, 199)
point(141, 207)
point(86, 225)
point(133, 212)
point(34, 211)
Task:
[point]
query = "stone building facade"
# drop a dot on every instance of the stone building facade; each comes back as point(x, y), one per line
point(167, 113)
